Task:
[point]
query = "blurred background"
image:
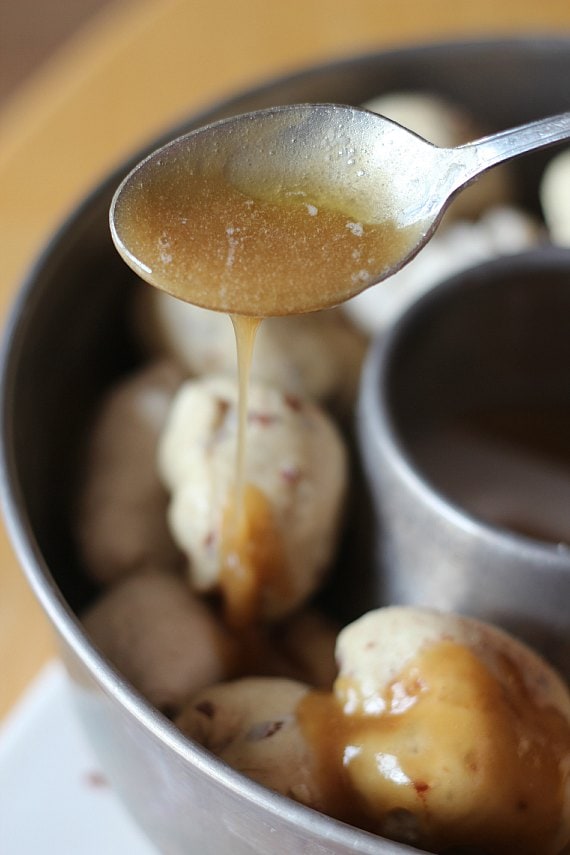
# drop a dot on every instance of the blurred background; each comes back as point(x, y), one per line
point(31, 30)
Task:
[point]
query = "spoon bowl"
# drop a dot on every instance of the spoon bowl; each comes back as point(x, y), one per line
point(296, 208)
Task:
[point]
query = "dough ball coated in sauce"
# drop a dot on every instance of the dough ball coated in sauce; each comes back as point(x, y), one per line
point(458, 735)
point(295, 464)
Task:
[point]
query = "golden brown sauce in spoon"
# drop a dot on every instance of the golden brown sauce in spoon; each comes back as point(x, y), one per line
point(269, 251)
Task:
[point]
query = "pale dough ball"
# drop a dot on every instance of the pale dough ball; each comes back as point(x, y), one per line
point(301, 647)
point(161, 637)
point(318, 355)
point(121, 515)
point(555, 197)
point(252, 725)
point(457, 246)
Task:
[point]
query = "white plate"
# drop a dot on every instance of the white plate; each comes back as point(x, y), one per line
point(54, 797)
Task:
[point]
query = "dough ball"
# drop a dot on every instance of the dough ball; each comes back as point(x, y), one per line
point(318, 355)
point(121, 515)
point(301, 647)
point(555, 197)
point(463, 733)
point(456, 247)
point(164, 640)
point(252, 725)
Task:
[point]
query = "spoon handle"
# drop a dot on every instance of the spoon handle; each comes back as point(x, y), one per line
point(497, 148)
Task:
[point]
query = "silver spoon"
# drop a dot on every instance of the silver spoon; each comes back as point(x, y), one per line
point(296, 208)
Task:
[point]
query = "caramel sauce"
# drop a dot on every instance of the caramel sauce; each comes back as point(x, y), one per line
point(462, 757)
point(278, 251)
point(245, 332)
point(253, 559)
point(252, 555)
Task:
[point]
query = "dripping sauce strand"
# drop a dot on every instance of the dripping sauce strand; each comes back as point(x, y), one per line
point(237, 573)
point(245, 329)
point(252, 556)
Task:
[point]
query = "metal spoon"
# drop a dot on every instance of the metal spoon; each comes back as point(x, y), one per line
point(296, 208)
